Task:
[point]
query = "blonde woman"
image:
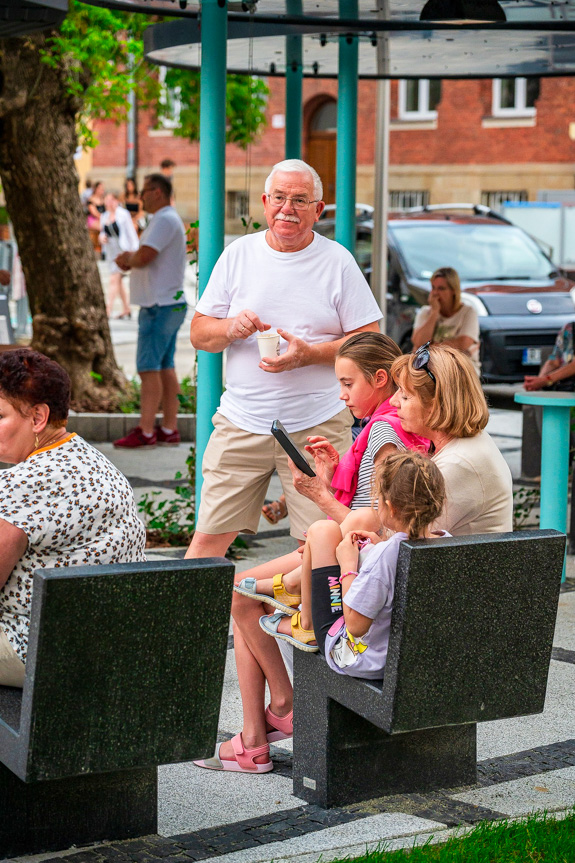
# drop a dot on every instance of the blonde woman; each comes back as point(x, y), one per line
point(439, 396)
point(447, 320)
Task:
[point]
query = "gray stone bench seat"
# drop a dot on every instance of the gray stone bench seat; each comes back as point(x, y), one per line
point(124, 672)
point(471, 638)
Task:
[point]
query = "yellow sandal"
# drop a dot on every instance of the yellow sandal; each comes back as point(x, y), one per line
point(281, 595)
point(299, 637)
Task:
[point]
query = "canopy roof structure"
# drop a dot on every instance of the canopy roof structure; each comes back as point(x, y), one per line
point(537, 37)
point(19, 17)
point(258, 48)
point(398, 13)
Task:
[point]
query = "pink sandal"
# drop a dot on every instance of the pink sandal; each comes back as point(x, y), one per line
point(244, 759)
point(282, 725)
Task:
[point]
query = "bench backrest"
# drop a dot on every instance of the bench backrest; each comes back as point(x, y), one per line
point(125, 668)
point(472, 629)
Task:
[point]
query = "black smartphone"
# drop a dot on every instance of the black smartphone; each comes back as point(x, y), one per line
point(292, 450)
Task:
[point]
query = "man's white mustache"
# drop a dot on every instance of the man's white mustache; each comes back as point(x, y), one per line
point(283, 218)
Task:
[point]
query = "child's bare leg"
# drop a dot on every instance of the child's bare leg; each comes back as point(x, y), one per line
point(264, 573)
point(364, 518)
point(252, 689)
point(323, 537)
point(246, 614)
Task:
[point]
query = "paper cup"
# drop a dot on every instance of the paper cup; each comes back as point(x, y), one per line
point(269, 344)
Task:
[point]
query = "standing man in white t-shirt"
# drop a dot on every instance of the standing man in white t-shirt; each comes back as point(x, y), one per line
point(157, 285)
point(311, 290)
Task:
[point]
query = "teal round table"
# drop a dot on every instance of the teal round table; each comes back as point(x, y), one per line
point(555, 438)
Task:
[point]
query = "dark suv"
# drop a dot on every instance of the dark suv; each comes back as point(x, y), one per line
point(521, 298)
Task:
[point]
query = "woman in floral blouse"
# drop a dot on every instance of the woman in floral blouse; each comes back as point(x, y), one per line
point(62, 504)
point(560, 366)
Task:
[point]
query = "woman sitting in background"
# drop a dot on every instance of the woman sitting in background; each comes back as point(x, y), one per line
point(558, 371)
point(62, 504)
point(447, 320)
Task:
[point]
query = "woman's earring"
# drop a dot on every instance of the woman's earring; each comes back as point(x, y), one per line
point(36, 441)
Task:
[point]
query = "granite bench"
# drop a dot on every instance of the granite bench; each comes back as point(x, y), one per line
point(122, 675)
point(471, 637)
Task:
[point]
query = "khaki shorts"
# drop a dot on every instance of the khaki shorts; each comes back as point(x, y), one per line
point(237, 468)
point(12, 669)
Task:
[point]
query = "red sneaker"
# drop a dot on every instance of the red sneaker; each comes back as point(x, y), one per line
point(136, 439)
point(172, 439)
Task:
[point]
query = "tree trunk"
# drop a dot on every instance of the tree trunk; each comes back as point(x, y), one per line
point(37, 144)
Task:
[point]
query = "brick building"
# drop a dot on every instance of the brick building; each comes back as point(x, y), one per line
point(478, 141)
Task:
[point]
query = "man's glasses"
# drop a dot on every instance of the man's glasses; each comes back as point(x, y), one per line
point(421, 360)
point(298, 202)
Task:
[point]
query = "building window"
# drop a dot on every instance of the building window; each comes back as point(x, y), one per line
point(515, 97)
point(419, 98)
point(403, 200)
point(170, 101)
point(237, 204)
point(495, 200)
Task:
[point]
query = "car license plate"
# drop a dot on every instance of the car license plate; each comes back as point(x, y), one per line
point(532, 356)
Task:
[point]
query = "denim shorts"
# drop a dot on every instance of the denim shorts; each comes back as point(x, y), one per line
point(157, 332)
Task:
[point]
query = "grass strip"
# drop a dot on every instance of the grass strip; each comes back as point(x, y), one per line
point(540, 838)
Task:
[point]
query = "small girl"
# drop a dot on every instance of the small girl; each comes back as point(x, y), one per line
point(410, 495)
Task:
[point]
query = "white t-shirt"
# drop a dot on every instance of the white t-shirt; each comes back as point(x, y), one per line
point(478, 487)
point(317, 294)
point(463, 323)
point(76, 508)
point(160, 281)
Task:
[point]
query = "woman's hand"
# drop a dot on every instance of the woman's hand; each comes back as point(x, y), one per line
point(325, 456)
point(312, 487)
point(434, 302)
point(535, 382)
point(347, 552)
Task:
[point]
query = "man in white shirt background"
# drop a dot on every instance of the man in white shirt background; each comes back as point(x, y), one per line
point(157, 285)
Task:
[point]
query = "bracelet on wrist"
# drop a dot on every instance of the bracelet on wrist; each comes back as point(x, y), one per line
point(549, 379)
point(345, 574)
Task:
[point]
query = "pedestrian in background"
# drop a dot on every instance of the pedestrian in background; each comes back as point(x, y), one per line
point(117, 235)
point(157, 285)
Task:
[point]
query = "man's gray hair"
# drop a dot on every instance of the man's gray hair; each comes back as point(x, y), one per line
point(296, 166)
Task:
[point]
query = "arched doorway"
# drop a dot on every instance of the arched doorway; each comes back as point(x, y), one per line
point(321, 145)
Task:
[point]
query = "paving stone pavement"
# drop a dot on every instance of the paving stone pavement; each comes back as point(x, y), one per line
point(525, 764)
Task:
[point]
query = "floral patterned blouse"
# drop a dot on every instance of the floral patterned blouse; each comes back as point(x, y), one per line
point(563, 348)
point(75, 508)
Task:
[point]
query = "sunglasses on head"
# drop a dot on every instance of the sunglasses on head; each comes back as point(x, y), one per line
point(421, 360)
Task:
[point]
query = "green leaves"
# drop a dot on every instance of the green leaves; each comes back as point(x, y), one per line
point(246, 100)
point(101, 55)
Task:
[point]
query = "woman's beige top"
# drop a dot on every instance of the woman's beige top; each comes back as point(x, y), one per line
point(478, 486)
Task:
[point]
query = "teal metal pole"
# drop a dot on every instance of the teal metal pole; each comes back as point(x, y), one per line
point(346, 132)
point(294, 79)
point(211, 208)
point(555, 468)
